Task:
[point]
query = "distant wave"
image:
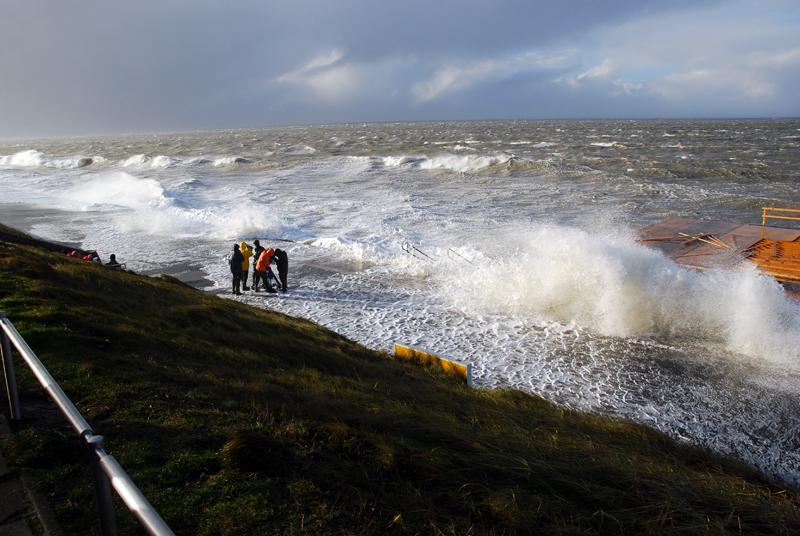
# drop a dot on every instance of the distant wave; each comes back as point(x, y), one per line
point(33, 158)
point(460, 163)
point(300, 150)
point(231, 160)
point(143, 161)
point(539, 145)
point(607, 144)
point(503, 163)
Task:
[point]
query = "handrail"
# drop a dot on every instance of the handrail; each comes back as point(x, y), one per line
point(45, 379)
point(765, 214)
point(108, 472)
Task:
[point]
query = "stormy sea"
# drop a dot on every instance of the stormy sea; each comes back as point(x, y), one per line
point(508, 245)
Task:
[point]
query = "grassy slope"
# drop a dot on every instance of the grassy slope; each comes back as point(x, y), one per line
point(237, 420)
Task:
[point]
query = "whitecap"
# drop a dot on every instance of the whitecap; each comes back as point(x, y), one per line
point(617, 287)
point(607, 144)
point(34, 158)
point(230, 161)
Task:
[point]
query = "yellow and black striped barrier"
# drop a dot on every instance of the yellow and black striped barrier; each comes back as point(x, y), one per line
point(450, 367)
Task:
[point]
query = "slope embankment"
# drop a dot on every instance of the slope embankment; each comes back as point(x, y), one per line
point(236, 420)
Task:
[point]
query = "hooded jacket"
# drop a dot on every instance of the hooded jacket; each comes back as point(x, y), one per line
point(247, 252)
point(264, 260)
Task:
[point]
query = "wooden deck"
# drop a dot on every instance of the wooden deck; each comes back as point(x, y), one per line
point(709, 245)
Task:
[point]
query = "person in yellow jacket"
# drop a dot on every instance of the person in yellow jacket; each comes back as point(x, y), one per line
point(247, 252)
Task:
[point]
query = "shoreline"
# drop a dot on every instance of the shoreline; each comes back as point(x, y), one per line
point(191, 275)
point(312, 409)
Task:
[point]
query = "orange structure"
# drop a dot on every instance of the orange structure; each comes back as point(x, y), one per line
point(708, 245)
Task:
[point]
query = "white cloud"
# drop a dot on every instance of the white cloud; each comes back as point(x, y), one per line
point(329, 76)
point(451, 78)
point(604, 74)
point(604, 70)
point(754, 76)
point(740, 53)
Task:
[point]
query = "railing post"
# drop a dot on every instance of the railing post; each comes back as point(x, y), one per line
point(102, 488)
point(8, 372)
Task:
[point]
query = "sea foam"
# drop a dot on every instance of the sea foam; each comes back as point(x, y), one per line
point(459, 163)
point(121, 189)
point(33, 158)
point(617, 287)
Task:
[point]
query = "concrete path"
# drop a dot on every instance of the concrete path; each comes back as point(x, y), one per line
point(13, 504)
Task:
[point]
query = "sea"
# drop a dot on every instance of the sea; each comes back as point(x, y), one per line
point(507, 245)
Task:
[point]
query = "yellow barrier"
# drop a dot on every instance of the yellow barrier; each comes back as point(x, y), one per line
point(450, 367)
point(766, 214)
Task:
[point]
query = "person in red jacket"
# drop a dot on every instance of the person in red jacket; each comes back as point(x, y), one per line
point(263, 271)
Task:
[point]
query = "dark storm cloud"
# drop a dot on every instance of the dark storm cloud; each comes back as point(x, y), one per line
point(89, 66)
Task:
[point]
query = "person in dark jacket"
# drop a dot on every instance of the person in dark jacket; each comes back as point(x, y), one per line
point(282, 263)
point(236, 268)
point(112, 263)
point(256, 254)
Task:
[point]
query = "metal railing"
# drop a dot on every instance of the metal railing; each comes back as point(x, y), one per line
point(767, 214)
point(108, 473)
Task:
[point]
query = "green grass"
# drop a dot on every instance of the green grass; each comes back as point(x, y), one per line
point(235, 420)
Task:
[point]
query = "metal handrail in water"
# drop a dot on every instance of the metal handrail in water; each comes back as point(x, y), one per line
point(766, 214)
point(108, 472)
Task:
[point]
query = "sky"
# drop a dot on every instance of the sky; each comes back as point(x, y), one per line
point(114, 66)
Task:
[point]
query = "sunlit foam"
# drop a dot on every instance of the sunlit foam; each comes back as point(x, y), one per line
point(609, 283)
point(155, 211)
point(156, 162)
point(460, 163)
point(119, 188)
point(34, 158)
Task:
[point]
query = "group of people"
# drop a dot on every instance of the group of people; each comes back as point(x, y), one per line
point(93, 257)
point(262, 273)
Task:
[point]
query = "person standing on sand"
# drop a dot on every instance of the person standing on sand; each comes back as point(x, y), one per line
point(282, 262)
point(236, 268)
point(256, 254)
point(246, 252)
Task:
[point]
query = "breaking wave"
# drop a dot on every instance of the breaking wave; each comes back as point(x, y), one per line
point(230, 161)
point(143, 161)
point(156, 162)
point(460, 163)
point(121, 189)
point(34, 158)
point(156, 211)
point(617, 287)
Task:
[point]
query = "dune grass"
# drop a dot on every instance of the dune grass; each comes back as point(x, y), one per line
point(235, 420)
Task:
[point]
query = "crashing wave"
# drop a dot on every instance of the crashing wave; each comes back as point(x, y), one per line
point(619, 288)
point(230, 161)
point(156, 162)
point(459, 163)
point(34, 158)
